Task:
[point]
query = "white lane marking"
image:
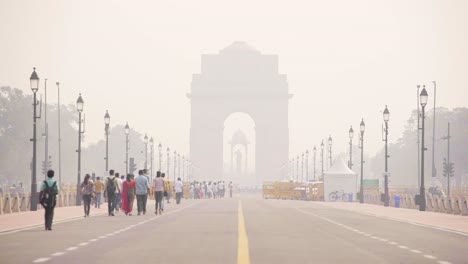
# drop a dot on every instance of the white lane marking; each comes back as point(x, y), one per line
point(374, 237)
point(443, 262)
point(405, 221)
point(40, 260)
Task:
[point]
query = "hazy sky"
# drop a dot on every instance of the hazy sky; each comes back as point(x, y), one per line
point(344, 59)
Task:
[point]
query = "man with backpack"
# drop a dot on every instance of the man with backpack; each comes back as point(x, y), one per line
point(111, 187)
point(48, 198)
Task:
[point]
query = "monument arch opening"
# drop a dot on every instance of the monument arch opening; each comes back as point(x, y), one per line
point(239, 79)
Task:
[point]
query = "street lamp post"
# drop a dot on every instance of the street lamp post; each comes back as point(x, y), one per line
point(386, 117)
point(34, 81)
point(151, 158)
point(146, 151)
point(315, 156)
point(178, 165)
point(362, 127)
point(183, 167)
point(168, 151)
point(302, 167)
point(127, 132)
point(351, 135)
point(79, 107)
point(422, 196)
point(292, 169)
point(175, 164)
point(322, 146)
point(106, 130)
point(297, 168)
point(59, 135)
point(307, 165)
point(330, 141)
point(160, 156)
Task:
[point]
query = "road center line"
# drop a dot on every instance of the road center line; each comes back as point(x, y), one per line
point(242, 241)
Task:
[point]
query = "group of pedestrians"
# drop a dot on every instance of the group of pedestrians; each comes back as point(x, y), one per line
point(208, 190)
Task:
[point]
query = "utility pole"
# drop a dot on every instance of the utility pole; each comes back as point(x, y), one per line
point(434, 170)
point(59, 136)
point(46, 132)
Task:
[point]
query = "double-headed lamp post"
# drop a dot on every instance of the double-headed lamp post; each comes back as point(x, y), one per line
point(315, 156)
point(423, 96)
point(160, 157)
point(127, 132)
point(362, 127)
point(330, 142)
point(106, 130)
point(351, 135)
point(34, 81)
point(386, 117)
point(79, 107)
point(146, 151)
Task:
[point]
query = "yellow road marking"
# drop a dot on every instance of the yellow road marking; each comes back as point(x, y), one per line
point(242, 241)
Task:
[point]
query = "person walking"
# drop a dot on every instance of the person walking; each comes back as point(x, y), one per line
point(230, 189)
point(128, 194)
point(178, 188)
point(87, 191)
point(158, 192)
point(111, 187)
point(166, 190)
point(48, 195)
point(118, 194)
point(98, 189)
point(142, 190)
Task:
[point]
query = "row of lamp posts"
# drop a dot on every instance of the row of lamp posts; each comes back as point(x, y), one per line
point(423, 98)
point(187, 165)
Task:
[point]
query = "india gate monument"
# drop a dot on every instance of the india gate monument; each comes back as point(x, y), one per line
point(239, 79)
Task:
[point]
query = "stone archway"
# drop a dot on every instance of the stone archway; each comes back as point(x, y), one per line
point(239, 79)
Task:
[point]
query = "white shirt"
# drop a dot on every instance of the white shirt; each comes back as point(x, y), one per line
point(178, 185)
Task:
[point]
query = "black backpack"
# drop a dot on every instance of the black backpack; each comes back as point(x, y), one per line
point(48, 198)
point(110, 186)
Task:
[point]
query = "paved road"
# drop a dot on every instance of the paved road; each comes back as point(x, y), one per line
point(236, 230)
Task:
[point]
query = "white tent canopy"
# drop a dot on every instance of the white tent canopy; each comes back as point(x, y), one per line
point(340, 182)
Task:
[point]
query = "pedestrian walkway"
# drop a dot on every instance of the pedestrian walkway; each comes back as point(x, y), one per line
point(29, 219)
point(435, 220)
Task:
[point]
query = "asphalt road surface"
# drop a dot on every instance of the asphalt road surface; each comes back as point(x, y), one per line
point(236, 230)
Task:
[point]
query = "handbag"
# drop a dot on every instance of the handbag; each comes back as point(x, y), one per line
point(165, 193)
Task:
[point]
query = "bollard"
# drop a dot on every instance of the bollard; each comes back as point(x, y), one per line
point(24, 203)
point(1, 204)
point(464, 206)
point(457, 205)
point(7, 205)
point(429, 204)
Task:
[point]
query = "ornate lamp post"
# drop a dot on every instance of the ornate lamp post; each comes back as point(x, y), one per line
point(79, 107)
point(160, 157)
point(297, 168)
point(183, 167)
point(34, 81)
point(178, 165)
point(302, 167)
point(175, 164)
point(322, 146)
point(151, 158)
point(127, 132)
point(307, 165)
point(146, 151)
point(422, 195)
point(351, 135)
point(315, 156)
point(386, 117)
point(168, 151)
point(106, 130)
point(362, 128)
point(330, 141)
point(292, 169)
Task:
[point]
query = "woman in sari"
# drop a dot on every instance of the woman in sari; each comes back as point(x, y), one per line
point(128, 195)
